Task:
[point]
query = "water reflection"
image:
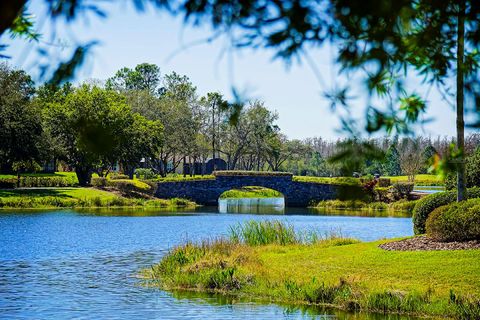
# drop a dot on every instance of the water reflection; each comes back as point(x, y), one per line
point(252, 205)
point(289, 311)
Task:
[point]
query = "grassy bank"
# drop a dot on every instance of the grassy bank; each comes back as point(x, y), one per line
point(420, 180)
point(399, 208)
point(251, 192)
point(273, 262)
point(78, 198)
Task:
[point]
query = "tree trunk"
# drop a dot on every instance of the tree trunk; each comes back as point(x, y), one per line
point(130, 170)
point(84, 176)
point(460, 100)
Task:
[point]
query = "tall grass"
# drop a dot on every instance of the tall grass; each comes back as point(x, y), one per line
point(259, 233)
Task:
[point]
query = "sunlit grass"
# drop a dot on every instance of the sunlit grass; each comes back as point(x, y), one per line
point(338, 272)
point(420, 179)
point(251, 192)
point(79, 197)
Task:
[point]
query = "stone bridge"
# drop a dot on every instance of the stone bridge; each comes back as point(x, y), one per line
point(207, 192)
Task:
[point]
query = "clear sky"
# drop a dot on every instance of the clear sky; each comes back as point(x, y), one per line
point(127, 38)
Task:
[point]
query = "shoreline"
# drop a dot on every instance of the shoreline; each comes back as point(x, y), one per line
point(343, 275)
point(82, 198)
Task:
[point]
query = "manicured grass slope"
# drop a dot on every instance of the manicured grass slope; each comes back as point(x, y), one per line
point(78, 193)
point(78, 197)
point(368, 266)
point(420, 180)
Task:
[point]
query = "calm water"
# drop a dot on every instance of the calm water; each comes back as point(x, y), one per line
point(429, 189)
point(68, 264)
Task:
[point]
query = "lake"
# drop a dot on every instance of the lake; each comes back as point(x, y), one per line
point(84, 264)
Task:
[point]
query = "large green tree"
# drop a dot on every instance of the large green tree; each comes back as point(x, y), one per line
point(144, 77)
point(92, 127)
point(20, 118)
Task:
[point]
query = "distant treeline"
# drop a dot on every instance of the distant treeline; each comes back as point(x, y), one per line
point(139, 117)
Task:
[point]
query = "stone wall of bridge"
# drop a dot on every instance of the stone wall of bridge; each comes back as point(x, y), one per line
point(207, 192)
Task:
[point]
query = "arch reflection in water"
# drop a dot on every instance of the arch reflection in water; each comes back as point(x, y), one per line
point(252, 205)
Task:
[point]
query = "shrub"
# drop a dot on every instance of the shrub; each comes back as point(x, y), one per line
point(383, 194)
point(8, 183)
point(99, 182)
point(40, 181)
point(117, 176)
point(341, 181)
point(426, 205)
point(459, 221)
point(369, 186)
point(384, 182)
point(144, 173)
point(130, 187)
point(402, 190)
point(250, 173)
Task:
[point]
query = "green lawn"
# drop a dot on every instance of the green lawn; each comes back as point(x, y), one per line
point(352, 276)
point(72, 193)
point(420, 179)
point(79, 197)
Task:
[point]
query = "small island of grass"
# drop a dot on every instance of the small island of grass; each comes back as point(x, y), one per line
point(269, 260)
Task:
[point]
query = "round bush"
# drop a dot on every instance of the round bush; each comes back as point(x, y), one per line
point(426, 205)
point(459, 221)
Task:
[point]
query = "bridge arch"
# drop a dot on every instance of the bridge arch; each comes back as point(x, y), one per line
point(207, 192)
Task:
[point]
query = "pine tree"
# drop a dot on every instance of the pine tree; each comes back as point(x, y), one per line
point(392, 161)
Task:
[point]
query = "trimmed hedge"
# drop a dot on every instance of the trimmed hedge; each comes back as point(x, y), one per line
point(8, 183)
point(459, 221)
point(426, 205)
point(251, 173)
point(339, 181)
point(39, 182)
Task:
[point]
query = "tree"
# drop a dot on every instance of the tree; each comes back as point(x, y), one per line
point(392, 161)
point(436, 39)
point(20, 119)
point(91, 126)
point(143, 139)
point(411, 160)
point(279, 149)
point(145, 77)
point(427, 156)
point(179, 116)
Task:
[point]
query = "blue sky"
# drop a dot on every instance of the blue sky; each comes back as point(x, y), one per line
point(127, 38)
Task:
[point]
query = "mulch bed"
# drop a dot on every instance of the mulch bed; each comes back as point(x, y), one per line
point(422, 243)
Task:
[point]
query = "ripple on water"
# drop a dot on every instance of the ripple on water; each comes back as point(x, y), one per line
point(64, 264)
